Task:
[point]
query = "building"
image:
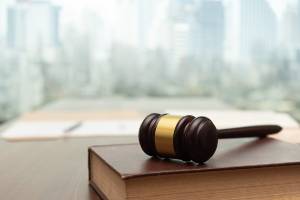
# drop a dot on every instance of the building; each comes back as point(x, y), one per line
point(31, 24)
point(290, 28)
point(180, 19)
point(258, 29)
point(208, 30)
point(32, 28)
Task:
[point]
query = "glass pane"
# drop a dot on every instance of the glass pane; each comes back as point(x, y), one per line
point(245, 53)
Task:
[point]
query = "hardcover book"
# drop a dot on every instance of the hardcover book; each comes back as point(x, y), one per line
point(240, 169)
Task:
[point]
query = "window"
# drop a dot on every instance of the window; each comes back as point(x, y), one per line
point(246, 53)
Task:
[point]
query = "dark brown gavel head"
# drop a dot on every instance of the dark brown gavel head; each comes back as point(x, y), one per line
point(186, 138)
point(189, 138)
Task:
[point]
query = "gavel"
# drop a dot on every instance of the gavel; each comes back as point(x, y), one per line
point(190, 138)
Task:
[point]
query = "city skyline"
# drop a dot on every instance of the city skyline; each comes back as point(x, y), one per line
point(104, 49)
point(107, 10)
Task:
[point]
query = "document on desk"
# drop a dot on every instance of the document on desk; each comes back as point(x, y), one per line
point(50, 129)
point(106, 128)
point(44, 130)
point(29, 130)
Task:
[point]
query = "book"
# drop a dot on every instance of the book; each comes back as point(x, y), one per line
point(240, 169)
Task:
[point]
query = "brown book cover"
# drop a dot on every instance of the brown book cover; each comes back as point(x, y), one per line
point(128, 165)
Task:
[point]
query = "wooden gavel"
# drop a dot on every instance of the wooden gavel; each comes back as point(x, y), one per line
point(190, 138)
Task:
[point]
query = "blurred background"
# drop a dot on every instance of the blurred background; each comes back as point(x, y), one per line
point(243, 53)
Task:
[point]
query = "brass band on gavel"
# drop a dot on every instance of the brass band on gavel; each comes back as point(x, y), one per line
point(164, 134)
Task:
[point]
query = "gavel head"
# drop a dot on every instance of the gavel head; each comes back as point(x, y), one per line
point(181, 137)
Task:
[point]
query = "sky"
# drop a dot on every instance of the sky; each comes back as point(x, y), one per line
point(106, 6)
point(72, 11)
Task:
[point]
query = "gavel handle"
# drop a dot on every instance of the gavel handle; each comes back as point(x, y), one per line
point(249, 131)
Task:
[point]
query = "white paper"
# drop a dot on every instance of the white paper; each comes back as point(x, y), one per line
point(25, 130)
point(106, 128)
point(29, 130)
point(235, 118)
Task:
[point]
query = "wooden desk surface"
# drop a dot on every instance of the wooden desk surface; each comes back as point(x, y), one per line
point(49, 170)
point(57, 169)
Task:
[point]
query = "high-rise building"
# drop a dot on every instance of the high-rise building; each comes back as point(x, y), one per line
point(21, 85)
point(180, 19)
point(8, 89)
point(258, 28)
point(32, 31)
point(32, 24)
point(290, 27)
point(208, 30)
point(160, 26)
point(146, 14)
point(289, 39)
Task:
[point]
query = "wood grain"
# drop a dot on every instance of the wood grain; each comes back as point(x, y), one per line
point(49, 169)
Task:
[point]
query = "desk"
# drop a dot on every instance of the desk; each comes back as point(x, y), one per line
point(49, 170)
point(57, 169)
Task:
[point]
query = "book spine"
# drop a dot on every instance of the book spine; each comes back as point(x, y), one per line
point(91, 182)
